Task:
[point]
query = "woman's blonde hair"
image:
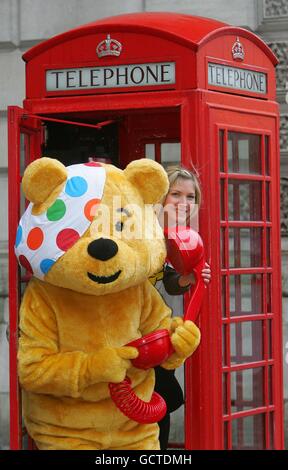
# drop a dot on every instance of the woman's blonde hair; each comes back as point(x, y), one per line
point(175, 172)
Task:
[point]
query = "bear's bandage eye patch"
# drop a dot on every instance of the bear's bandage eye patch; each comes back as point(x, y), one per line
point(104, 279)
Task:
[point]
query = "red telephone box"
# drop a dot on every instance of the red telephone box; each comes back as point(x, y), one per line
point(152, 84)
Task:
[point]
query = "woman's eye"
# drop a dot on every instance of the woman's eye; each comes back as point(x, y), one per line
point(119, 226)
point(192, 198)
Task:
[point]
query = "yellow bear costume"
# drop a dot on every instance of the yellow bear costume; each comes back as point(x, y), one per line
point(90, 301)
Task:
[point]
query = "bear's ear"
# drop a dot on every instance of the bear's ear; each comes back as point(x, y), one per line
point(149, 178)
point(41, 178)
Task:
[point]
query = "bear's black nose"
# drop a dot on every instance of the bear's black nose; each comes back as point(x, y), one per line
point(102, 249)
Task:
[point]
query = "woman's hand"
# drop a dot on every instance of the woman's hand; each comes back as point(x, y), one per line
point(186, 280)
point(206, 273)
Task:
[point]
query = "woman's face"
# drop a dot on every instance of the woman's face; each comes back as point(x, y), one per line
point(180, 202)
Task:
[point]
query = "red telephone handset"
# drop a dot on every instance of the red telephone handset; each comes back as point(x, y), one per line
point(186, 253)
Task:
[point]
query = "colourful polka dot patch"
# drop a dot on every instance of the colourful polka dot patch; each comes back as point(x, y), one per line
point(42, 239)
point(57, 210)
point(92, 164)
point(90, 209)
point(35, 238)
point(76, 186)
point(18, 236)
point(67, 238)
point(46, 264)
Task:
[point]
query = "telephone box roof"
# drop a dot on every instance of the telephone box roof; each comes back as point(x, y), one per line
point(192, 31)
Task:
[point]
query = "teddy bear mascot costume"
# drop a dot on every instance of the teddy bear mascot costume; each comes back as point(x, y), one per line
point(88, 297)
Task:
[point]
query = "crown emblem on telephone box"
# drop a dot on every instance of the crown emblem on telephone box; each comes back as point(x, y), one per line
point(109, 47)
point(238, 50)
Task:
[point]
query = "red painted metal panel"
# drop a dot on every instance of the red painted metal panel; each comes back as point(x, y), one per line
point(32, 133)
point(14, 115)
point(216, 118)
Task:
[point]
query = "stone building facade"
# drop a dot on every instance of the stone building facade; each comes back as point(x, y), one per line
point(24, 23)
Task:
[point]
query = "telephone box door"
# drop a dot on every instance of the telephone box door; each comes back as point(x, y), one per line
point(245, 378)
point(25, 137)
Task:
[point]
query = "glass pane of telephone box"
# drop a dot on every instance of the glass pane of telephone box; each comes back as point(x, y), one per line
point(224, 296)
point(225, 331)
point(246, 342)
point(244, 200)
point(177, 419)
point(267, 156)
point(221, 150)
point(269, 293)
point(222, 247)
point(225, 434)
point(270, 384)
point(224, 393)
point(222, 200)
point(25, 142)
point(269, 333)
point(272, 431)
point(150, 151)
point(249, 433)
point(268, 247)
point(170, 153)
point(24, 145)
point(246, 294)
point(244, 154)
point(245, 247)
point(247, 389)
point(268, 200)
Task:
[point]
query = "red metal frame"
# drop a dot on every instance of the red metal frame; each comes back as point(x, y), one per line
point(14, 205)
point(73, 123)
point(17, 125)
point(149, 116)
point(207, 431)
point(231, 120)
